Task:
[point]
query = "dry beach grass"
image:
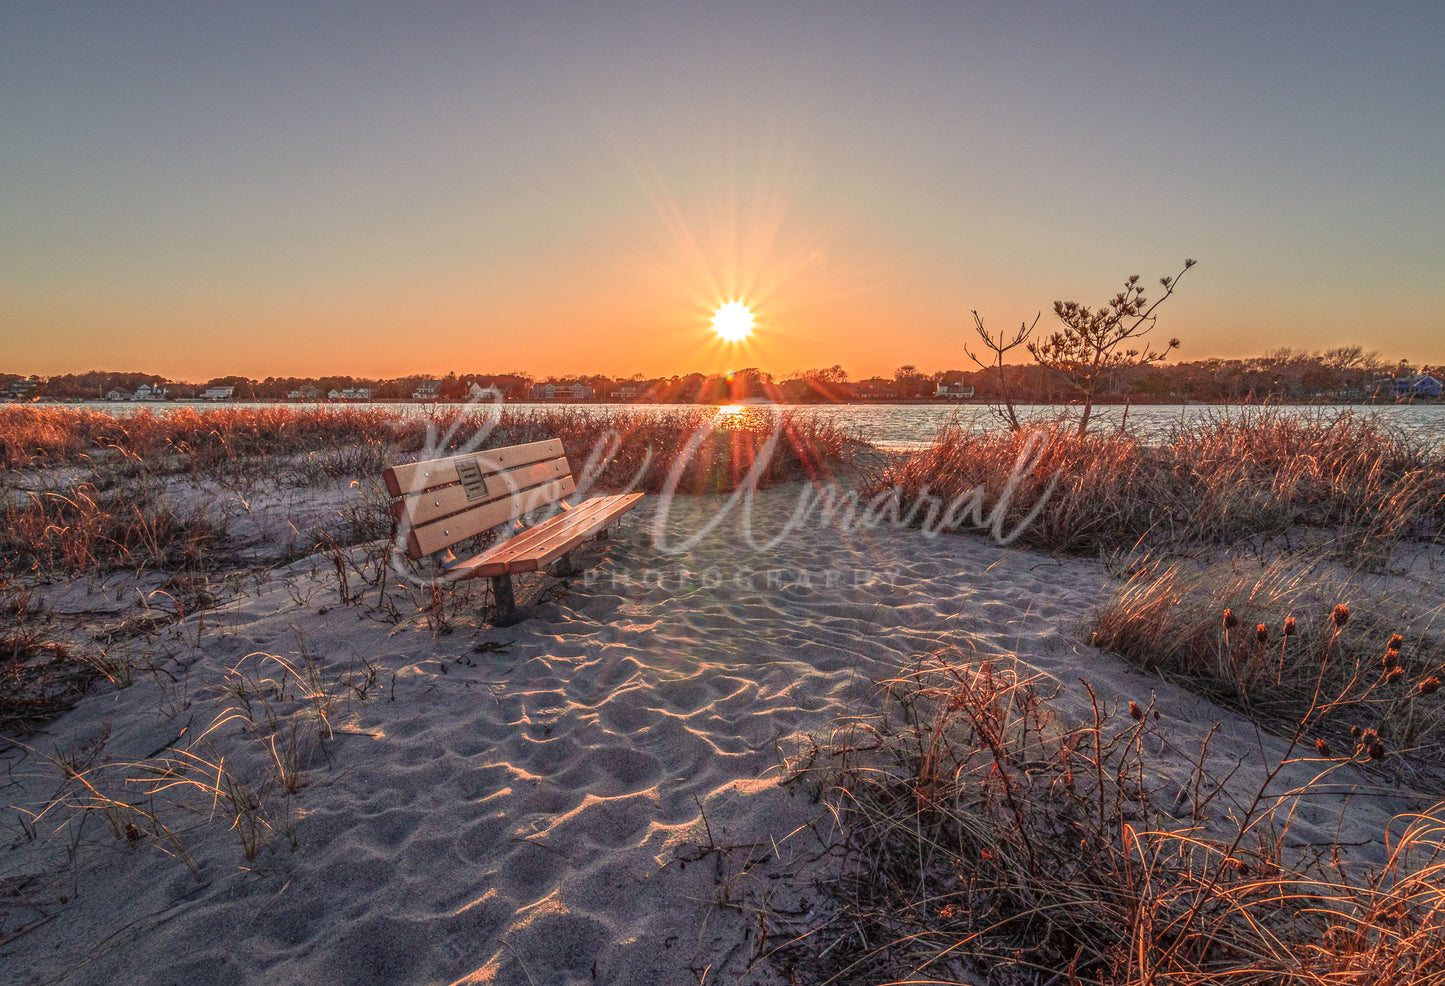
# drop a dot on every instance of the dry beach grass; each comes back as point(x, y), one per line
point(636, 449)
point(737, 760)
point(1357, 488)
point(981, 838)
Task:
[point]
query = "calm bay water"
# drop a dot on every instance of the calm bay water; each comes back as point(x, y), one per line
point(904, 426)
point(913, 426)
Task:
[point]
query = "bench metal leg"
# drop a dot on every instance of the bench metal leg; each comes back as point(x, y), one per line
point(566, 565)
point(506, 602)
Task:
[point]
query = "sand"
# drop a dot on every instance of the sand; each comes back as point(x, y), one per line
point(602, 793)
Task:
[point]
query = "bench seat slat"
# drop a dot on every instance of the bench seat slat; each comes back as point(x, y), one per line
point(549, 540)
point(428, 539)
point(424, 508)
point(415, 477)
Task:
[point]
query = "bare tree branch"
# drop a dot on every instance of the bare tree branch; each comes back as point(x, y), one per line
point(999, 347)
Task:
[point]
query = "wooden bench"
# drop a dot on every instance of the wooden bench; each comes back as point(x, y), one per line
point(439, 502)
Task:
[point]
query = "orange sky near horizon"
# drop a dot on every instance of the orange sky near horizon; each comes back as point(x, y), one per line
point(281, 192)
point(624, 321)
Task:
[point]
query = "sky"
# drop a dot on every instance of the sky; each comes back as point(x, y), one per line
point(289, 189)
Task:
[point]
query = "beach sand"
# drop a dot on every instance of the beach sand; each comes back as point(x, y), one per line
point(602, 793)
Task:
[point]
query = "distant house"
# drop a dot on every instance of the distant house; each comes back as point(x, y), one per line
point(351, 394)
point(22, 389)
point(874, 388)
point(1426, 385)
point(427, 390)
point(305, 394)
point(218, 393)
point(148, 392)
point(120, 395)
point(1423, 385)
point(955, 390)
point(561, 392)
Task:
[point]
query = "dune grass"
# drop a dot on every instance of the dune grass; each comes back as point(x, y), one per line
point(78, 528)
point(981, 839)
point(34, 436)
point(630, 446)
point(244, 770)
point(39, 679)
point(1274, 640)
point(696, 449)
point(1360, 488)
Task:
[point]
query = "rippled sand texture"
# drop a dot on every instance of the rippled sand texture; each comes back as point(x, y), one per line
point(593, 795)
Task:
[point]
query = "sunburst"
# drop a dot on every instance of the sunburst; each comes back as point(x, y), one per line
point(733, 322)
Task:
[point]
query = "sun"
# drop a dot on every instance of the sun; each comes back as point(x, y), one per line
point(733, 322)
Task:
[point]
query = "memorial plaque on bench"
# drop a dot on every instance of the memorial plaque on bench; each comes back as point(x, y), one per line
point(472, 481)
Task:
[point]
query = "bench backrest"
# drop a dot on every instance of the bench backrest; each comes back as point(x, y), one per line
point(443, 501)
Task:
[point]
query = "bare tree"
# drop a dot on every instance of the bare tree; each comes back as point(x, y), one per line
point(998, 346)
point(1343, 358)
point(1092, 343)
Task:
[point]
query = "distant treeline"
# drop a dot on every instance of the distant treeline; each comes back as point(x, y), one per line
point(1344, 374)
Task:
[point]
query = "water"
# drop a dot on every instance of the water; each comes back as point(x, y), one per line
point(904, 426)
point(910, 426)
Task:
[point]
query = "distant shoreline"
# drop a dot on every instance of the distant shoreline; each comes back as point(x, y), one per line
point(884, 402)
